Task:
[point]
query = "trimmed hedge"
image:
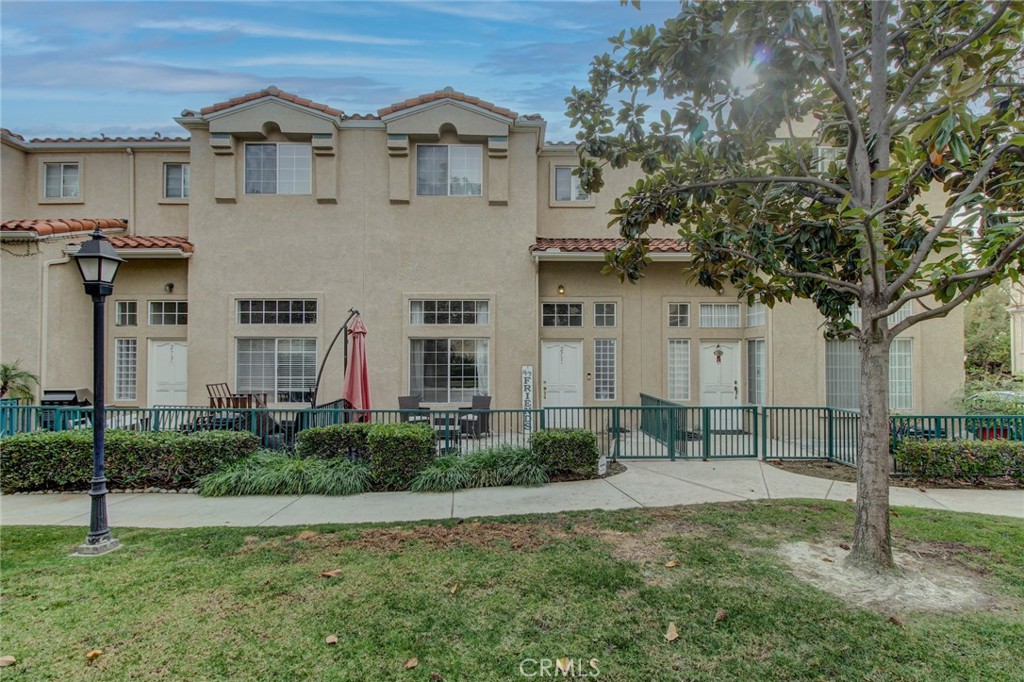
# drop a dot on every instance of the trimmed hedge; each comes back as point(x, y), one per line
point(962, 460)
point(62, 460)
point(328, 442)
point(398, 452)
point(566, 451)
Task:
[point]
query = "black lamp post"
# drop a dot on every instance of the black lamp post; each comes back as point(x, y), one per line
point(98, 263)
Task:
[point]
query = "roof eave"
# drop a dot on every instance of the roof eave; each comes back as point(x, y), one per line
point(214, 115)
point(135, 253)
point(566, 256)
point(426, 106)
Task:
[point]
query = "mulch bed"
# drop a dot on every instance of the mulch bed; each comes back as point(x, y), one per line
point(841, 472)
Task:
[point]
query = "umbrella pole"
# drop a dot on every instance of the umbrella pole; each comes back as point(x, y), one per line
point(352, 312)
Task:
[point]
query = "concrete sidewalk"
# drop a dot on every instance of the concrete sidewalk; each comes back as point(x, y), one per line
point(644, 484)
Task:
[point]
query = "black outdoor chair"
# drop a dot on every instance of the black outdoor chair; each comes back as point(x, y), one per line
point(411, 410)
point(477, 418)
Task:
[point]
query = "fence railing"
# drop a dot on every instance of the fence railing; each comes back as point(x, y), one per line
point(657, 428)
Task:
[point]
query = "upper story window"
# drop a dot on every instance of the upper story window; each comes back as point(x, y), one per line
point(452, 170)
point(725, 315)
point(127, 314)
point(61, 181)
point(273, 311)
point(278, 168)
point(176, 180)
point(824, 156)
point(679, 314)
point(168, 312)
point(755, 314)
point(562, 315)
point(567, 185)
point(431, 311)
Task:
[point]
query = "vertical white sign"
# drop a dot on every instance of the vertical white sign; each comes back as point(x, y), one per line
point(527, 386)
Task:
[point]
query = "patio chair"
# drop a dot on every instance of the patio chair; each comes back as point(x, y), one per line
point(477, 420)
point(411, 411)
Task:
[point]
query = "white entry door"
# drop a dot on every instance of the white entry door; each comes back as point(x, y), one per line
point(720, 382)
point(168, 373)
point(562, 382)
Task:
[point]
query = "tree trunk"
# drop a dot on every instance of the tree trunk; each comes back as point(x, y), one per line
point(872, 544)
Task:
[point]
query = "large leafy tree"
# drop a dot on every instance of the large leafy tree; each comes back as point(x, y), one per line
point(917, 96)
point(987, 335)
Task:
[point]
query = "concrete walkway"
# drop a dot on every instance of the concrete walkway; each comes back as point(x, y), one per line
point(644, 484)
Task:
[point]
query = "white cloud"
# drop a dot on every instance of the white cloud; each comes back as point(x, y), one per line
point(255, 30)
point(360, 64)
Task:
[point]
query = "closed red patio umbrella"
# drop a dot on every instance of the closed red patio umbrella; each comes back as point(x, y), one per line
point(357, 377)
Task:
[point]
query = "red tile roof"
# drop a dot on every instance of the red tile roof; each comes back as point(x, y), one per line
point(155, 138)
point(447, 93)
point(272, 91)
point(52, 226)
point(601, 245)
point(152, 243)
point(16, 136)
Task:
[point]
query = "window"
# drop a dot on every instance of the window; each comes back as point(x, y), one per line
point(903, 313)
point(842, 374)
point(755, 315)
point(678, 369)
point(567, 185)
point(604, 369)
point(278, 168)
point(176, 180)
point(291, 311)
point(429, 311)
point(284, 369)
point(562, 315)
point(756, 383)
point(125, 368)
point(722, 315)
point(449, 170)
point(678, 314)
point(168, 312)
point(604, 314)
point(61, 181)
point(823, 157)
point(127, 314)
point(448, 370)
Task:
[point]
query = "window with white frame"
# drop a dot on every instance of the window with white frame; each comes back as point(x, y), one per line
point(127, 314)
point(284, 369)
point(567, 185)
point(453, 170)
point(756, 372)
point(823, 157)
point(278, 168)
point(168, 313)
point(61, 181)
point(176, 180)
point(604, 314)
point(755, 314)
point(449, 311)
point(277, 311)
point(678, 369)
point(449, 370)
point(678, 314)
point(903, 313)
point(126, 357)
point(604, 369)
point(842, 374)
point(561, 314)
point(720, 315)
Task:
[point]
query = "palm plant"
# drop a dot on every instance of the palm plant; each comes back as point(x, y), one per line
point(20, 383)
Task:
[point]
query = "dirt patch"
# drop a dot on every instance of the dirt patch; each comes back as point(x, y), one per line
point(841, 472)
point(645, 546)
point(514, 536)
point(925, 583)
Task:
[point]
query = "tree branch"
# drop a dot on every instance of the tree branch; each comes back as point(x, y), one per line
point(831, 281)
point(765, 180)
point(942, 310)
point(907, 190)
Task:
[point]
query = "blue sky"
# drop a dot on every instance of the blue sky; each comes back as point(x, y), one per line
point(127, 68)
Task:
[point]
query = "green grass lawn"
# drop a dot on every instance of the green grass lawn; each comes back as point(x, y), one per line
point(249, 604)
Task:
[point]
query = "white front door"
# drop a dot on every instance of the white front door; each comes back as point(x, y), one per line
point(562, 382)
point(720, 382)
point(168, 373)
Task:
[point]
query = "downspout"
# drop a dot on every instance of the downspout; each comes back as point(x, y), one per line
point(44, 309)
point(131, 190)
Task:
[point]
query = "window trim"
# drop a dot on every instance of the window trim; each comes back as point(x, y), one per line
point(291, 301)
point(62, 161)
point(177, 311)
point(186, 183)
point(272, 397)
point(668, 314)
point(126, 313)
point(462, 300)
point(277, 169)
point(700, 316)
point(568, 314)
point(487, 387)
point(448, 146)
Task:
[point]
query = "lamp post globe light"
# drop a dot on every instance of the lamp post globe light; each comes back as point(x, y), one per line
point(98, 263)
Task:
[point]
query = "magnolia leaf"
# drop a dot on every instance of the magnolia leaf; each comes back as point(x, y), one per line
point(6, 661)
point(331, 639)
point(721, 615)
point(93, 654)
point(671, 564)
point(563, 665)
point(672, 634)
point(331, 574)
point(896, 620)
point(827, 560)
point(412, 663)
point(843, 545)
point(455, 587)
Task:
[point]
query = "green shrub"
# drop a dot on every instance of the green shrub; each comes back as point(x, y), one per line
point(398, 452)
point(275, 473)
point(568, 451)
point(341, 440)
point(62, 460)
point(443, 475)
point(502, 465)
point(964, 460)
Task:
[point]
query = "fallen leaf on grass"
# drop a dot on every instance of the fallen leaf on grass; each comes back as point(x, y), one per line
point(849, 499)
point(894, 512)
point(306, 535)
point(672, 564)
point(93, 654)
point(7, 660)
point(923, 490)
point(721, 615)
point(826, 559)
point(331, 574)
point(896, 620)
point(844, 545)
point(672, 634)
point(412, 663)
point(455, 587)
point(563, 665)
point(331, 639)
point(436, 677)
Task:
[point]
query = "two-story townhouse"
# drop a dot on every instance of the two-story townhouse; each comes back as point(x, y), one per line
point(452, 225)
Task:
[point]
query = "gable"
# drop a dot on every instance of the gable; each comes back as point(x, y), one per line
point(428, 119)
point(291, 119)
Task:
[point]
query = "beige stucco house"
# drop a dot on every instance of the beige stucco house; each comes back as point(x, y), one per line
point(451, 223)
